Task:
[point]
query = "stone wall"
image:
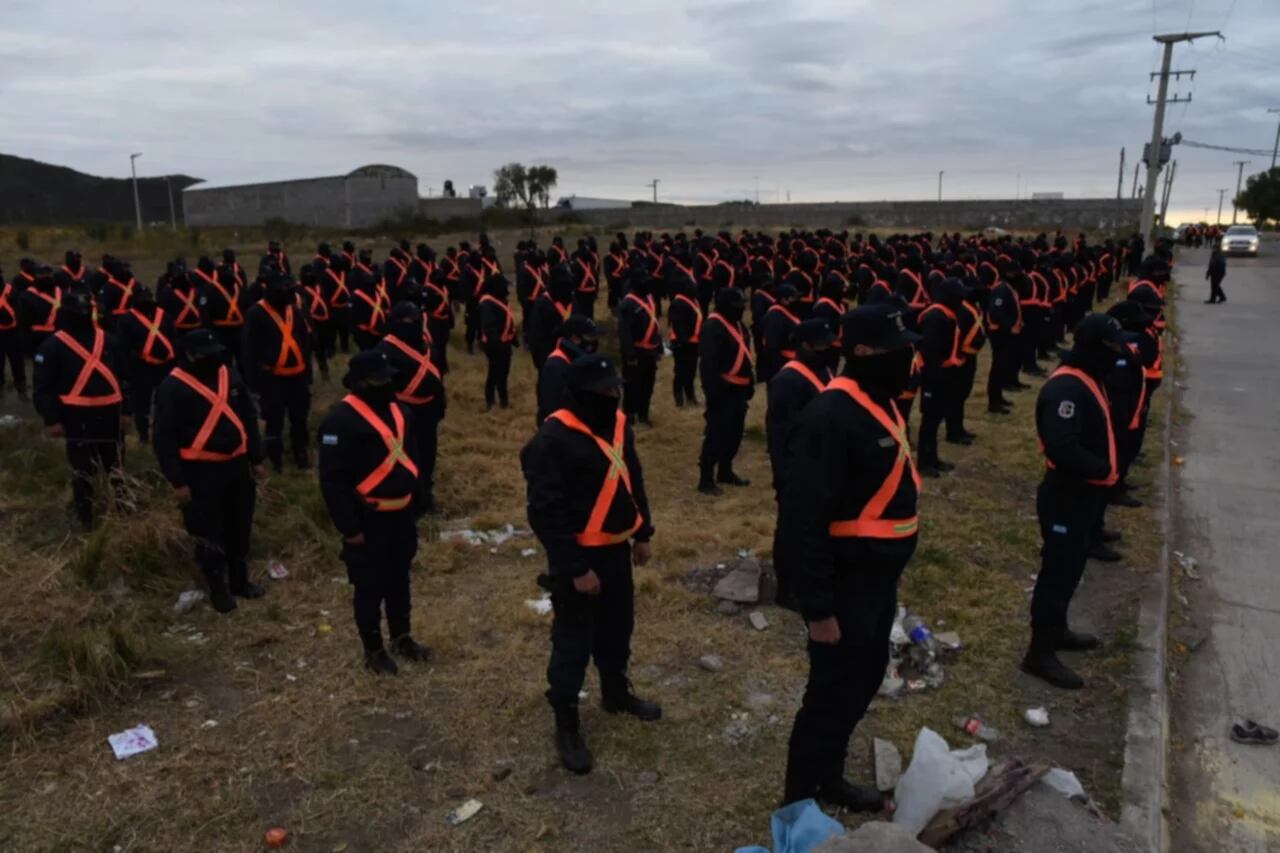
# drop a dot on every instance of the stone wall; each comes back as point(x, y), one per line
point(361, 199)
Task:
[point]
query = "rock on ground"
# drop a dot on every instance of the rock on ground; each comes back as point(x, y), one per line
point(1044, 821)
point(878, 836)
point(742, 584)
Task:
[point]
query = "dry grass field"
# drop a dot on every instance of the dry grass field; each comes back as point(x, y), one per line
point(266, 718)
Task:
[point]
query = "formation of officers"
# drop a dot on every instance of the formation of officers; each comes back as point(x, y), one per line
point(847, 332)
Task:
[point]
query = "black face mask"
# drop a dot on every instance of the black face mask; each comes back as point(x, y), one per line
point(279, 298)
point(813, 359)
point(410, 333)
point(379, 394)
point(885, 373)
point(205, 366)
point(589, 346)
point(1097, 360)
point(732, 313)
point(598, 411)
point(78, 325)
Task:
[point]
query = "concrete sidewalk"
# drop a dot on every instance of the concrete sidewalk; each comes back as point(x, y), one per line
point(1226, 796)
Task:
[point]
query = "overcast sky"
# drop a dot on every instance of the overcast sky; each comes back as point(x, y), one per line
point(838, 99)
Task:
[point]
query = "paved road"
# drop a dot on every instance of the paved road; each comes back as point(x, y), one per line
point(1226, 796)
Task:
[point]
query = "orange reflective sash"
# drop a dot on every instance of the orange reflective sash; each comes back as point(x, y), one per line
point(219, 408)
point(956, 359)
point(650, 339)
point(290, 361)
point(710, 263)
point(396, 455)
point(1104, 404)
point(871, 523)
point(804, 371)
point(563, 310)
point(441, 311)
point(189, 316)
point(154, 335)
point(126, 291)
point(745, 355)
point(341, 297)
point(92, 364)
point(234, 316)
point(733, 274)
point(376, 316)
point(795, 322)
point(319, 308)
point(55, 303)
point(697, 319)
point(538, 285)
point(400, 265)
point(588, 283)
point(425, 369)
point(8, 316)
point(966, 346)
point(76, 276)
point(921, 297)
point(560, 354)
point(594, 535)
point(493, 266)
point(509, 326)
point(1156, 370)
point(917, 367)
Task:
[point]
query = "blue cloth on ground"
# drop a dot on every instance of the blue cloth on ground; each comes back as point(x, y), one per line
point(798, 828)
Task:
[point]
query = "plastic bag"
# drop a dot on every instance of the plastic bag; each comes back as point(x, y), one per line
point(937, 778)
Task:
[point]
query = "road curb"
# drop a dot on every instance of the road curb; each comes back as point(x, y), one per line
point(1144, 782)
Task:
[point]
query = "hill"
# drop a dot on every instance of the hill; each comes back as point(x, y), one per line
point(35, 193)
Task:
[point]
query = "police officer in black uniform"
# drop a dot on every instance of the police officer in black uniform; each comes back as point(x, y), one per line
point(212, 472)
point(1073, 421)
point(419, 389)
point(587, 503)
point(727, 368)
point(640, 339)
point(579, 336)
point(277, 363)
point(370, 486)
point(942, 371)
point(850, 505)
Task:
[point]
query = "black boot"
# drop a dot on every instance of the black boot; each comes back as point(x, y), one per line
point(410, 649)
point(219, 593)
point(856, 798)
point(1109, 536)
point(1070, 641)
point(707, 484)
point(1123, 498)
point(240, 585)
point(728, 478)
point(961, 438)
point(998, 408)
point(573, 751)
point(1100, 552)
point(1041, 660)
point(618, 699)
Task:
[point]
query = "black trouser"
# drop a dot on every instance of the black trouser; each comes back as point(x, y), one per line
point(141, 394)
point(584, 303)
point(341, 330)
point(1069, 512)
point(283, 396)
point(1104, 287)
point(379, 571)
point(364, 340)
point(684, 372)
point(638, 378)
point(934, 396)
point(319, 351)
point(1048, 340)
point(426, 429)
point(964, 379)
point(592, 626)
point(1215, 289)
point(843, 678)
point(326, 339)
point(220, 518)
point(495, 380)
point(905, 404)
point(1004, 366)
point(471, 319)
point(1033, 320)
point(782, 546)
point(93, 447)
point(231, 338)
point(11, 352)
point(726, 417)
point(440, 330)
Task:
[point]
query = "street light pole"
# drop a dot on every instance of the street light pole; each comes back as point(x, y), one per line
point(1239, 180)
point(173, 216)
point(1221, 195)
point(1275, 149)
point(939, 185)
point(137, 204)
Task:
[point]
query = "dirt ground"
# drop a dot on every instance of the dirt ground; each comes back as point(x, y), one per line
point(266, 719)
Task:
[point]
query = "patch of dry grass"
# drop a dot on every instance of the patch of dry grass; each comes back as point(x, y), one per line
point(306, 740)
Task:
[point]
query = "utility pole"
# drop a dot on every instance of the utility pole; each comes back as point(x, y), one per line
point(1221, 195)
point(137, 205)
point(757, 190)
point(173, 216)
point(1134, 192)
point(1120, 180)
point(1275, 149)
point(654, 183)
point(1146, 224)
point(1017, 193)
point(939, 185)
point(1239, 180)
point(1168, 191)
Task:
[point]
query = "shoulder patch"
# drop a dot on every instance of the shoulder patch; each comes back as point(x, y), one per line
point(39, 359)
point(1066, 410)
point(888, 441)
point(204, 300)
point(329, 439)
point(999, 301)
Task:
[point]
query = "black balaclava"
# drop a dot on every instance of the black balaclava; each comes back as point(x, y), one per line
point(638, 282)
point(376, 392)
point(597, 411)
point(204, 367)
point(205, 265)
point(279, 292)
point(814, 359)
point(76, 316)
point(143, 298)
point(1089, 351)
point(228, 256)
point(730, 304)
point(406, 323)
point(562, 284)
point(499, 288)
point(884, 375)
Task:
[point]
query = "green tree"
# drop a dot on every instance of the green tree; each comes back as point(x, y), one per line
point(1261, 196)
point(529, 186)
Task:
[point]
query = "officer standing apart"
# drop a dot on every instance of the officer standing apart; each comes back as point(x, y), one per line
point(209, 449)
point(370, 487)
point(851, 509)
point(78, 394)
point(586, 502)
point(1073, 421)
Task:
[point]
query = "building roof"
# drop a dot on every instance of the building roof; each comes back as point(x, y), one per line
point(373, 170)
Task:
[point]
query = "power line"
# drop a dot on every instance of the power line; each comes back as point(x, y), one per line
point(1257, 152)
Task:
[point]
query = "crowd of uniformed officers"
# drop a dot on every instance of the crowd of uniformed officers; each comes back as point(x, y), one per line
point(846, 331)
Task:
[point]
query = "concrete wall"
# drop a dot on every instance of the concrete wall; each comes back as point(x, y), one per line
point(1068, 214)
point(363, 198)
point(444, 209)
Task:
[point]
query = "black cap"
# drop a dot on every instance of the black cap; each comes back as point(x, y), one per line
point(1130, 313)
point(367, 365)
point(403, 312)
point(77, 303)
point(786, 290)
point(815, 333)
point(1097, 329)
point(579, 326)
point(201, 342)
point(1146, 296)
point(880, 325)
point(593, 373)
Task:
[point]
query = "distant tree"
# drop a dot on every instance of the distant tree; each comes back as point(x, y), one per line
point(1261, 196)
point(529, 186)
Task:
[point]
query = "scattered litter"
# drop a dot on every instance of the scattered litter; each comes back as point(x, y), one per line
point(464, 812)
point(711, 663)
point(1179, 460)
point(1252, 733)
point(893, 682)
point(916, 685)
point(541, 606)
point(277, 571)
point(1037, 717)
point(938, 777)
point(1188, 564)
point(934, 675)
point(493, 550)
point(188, 599)
point(7, 421)
point(949, 641)
point(500, 536)
point(529, 552)
point(913, 655)
point(1064, 782)
point(974, 725)
point(289, 676)
point(198, 638)
point(758, 621)
point(275, 838)
point(742, 583)
point(888, 764)
point(209, 724)
point(757, 701)
point(324, 628)
point(798, 828)
point(132, 741)
point(582, 694)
